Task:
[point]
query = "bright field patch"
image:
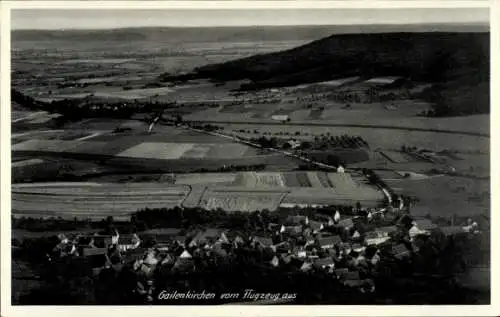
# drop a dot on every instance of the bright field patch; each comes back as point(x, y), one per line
point(269, 180)
point(198, 151)
point(205, 178)
point(157, 150)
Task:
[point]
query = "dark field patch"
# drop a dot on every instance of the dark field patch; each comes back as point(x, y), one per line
point(315, 114)
point(324, 179)
point(291, 180)
point(303, 179)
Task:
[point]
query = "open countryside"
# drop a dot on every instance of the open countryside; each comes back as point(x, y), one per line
point(338, 166)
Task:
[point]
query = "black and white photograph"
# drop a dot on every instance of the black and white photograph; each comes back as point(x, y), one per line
point(258, 156)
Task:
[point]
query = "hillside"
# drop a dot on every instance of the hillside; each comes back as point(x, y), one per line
point(421, 56)
point(458, 63)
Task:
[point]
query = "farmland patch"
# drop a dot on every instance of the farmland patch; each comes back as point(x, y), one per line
point(230, 200)
point(314, 180)
point(157, 150)
point(324, 179)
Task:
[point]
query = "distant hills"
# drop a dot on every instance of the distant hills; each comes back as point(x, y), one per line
point(231, 34)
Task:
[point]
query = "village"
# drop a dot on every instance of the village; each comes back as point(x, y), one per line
point(349, 247)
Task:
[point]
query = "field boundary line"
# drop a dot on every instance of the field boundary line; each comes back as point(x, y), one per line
point(363, 126)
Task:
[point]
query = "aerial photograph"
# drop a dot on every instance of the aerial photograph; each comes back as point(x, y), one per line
point(254, 157)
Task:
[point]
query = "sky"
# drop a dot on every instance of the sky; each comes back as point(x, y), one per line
point(121, 18)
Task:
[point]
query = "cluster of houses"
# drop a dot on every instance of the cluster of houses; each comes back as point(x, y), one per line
point(340, 246)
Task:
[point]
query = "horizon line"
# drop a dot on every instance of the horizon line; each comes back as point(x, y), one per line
point(478, 23)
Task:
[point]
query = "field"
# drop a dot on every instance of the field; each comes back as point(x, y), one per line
point(105, 68)
point(244, 191)
point(445, 196)
point(92, 200)
point(239, 200)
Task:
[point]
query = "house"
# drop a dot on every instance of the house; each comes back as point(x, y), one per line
point(185, 255)
point(356, 235)
point(275, 261)
point(400, 251)
point(293, 144)
point(282, 247)
point(286, 258)
point(336, 216)
point(264, 242)
point(421, 226)
point(346, 223)
point(128, 242)
point(316, 226)
point(208, 236)
point(376, 237)
point(297, 220)
point(219, 251)
point(273, 226)
point(301, 253)
point(291, 230)
point(358, 248)
point(306, 266)
point(329, 242)
point(238, 241)
point(282, 118)
point(167, 259)
point(346, 248)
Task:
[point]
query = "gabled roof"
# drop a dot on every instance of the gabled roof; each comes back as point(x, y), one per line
point(286, 258)
point(297, 219)
point(315, 225)
point(264, 241)
point(329, 240)
point(400, 250)
point(348, 222)
point(127, 239)
point(325, 261)
point(293, 229)
point(210, 233)
point(185, 255)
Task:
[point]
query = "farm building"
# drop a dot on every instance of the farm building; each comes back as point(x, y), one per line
point(385, 81)
point(280, 117)
point(338, 82)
